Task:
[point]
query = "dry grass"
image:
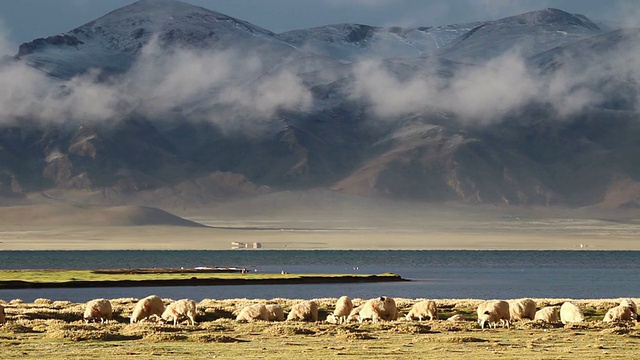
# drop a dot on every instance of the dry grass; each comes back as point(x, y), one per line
point(54, 330)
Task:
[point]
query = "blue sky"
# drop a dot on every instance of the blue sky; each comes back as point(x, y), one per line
point(25, 20)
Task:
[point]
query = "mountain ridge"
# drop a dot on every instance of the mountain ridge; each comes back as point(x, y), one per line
point(193, 107)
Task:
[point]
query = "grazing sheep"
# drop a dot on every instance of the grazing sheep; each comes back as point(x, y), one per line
point(630, 304)
point(457, 318)
point(253, 312)
point(382, 308)
point(304, 311)
point(151, 305)
point(275, 312)
point(3, 319)
point(619, 313)
point(522, 309)
point(549, 314)
point(354, 315)
point(492, 312)
point(183, 308)
point(423, 309)
point(98, 309)
point(343, 308)
point(571, 313)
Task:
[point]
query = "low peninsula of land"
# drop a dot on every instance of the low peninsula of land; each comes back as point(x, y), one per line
point(38, 279)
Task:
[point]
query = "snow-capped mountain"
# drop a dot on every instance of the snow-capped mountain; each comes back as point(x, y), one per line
point(112, 42)
point(189, 106)
point(528, 34)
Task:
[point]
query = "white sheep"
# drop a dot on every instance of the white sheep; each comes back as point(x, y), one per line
point(522, 309)
point(492, 312)
point(354, 315)
point(275, 312)
point(98, 309)
point(183, 308)
point(457, 318)
point(619, 313)
point(3, 319)
point(147, 307)
point(382, 308)
point(343, 308)
point(253, 312)
point(304, 311)
point(549, 314)
point(571, 313)
point(423, 309)
point(630, 304)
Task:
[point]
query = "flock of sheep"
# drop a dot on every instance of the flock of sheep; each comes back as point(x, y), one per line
point(490, 313)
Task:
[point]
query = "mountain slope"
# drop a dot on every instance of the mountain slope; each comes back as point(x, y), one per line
point(48, 215)
point(208, 108)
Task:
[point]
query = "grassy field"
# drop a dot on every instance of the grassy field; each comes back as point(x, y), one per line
point(54, 330)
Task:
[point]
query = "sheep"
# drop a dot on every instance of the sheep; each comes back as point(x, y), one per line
point(382, 308)
point(3, 319)
point(457, 318)
point(522, 309)
point(275, 312)
point(180, 309)
point(619, 313)
point(571, 313)
point(630, 304)
point(304, 311)
point(549, 314)
point(98, 309)
point(492, 312)
point(354, 315)
point(253, 312)
point(343, 308)
point(423, 309)
point(145, 308)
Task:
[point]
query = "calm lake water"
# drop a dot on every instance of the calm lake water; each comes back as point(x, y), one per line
point(435, 274)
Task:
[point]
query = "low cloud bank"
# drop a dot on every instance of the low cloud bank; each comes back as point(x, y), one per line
point(202, 86)
point(486, 93)
point(236, 90)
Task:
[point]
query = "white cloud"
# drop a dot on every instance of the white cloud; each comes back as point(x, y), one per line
point(390, 96)
point(486, 93)
point(204, 86)
point(6, 47)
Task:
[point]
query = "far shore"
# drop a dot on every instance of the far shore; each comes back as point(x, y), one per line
point(185, 238)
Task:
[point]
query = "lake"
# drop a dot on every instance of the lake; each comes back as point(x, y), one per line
point(434, 274)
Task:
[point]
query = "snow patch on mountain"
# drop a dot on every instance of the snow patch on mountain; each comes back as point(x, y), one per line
point(349, 42)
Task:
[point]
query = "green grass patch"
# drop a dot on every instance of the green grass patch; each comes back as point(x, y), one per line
point(59, 276)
